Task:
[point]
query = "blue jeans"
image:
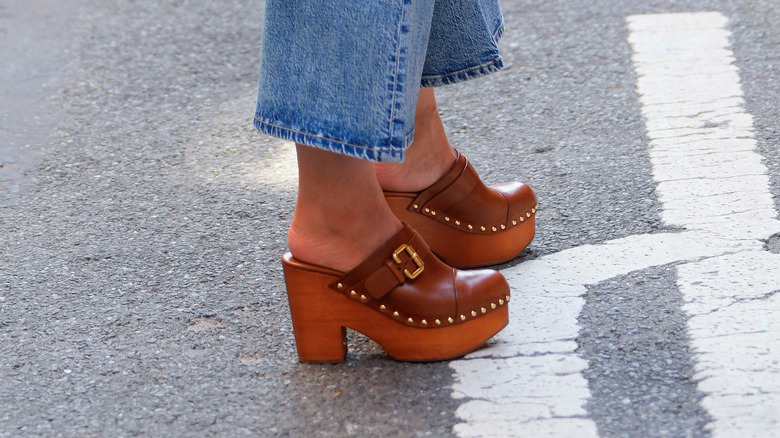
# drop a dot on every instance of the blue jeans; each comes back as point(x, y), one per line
point(344, 75)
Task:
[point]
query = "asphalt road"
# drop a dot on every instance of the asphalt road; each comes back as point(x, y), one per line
point(142, 220)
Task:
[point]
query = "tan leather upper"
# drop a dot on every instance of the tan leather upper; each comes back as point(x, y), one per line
point(406, 281)
point(460, 200)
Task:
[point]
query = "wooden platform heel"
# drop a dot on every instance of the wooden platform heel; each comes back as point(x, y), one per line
point(467, 223)
point(403, 297)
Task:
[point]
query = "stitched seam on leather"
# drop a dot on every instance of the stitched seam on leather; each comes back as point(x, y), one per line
point(443, 208)
point(506, 218)
point(457, 300)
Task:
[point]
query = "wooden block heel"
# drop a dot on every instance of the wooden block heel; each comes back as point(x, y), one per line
point(402, 296)
point(320, 336)
point(467, 223)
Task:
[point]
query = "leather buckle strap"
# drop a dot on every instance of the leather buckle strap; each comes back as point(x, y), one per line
point(416, 259)
point(390, 266)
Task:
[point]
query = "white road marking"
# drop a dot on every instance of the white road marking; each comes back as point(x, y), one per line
point(734, 305)
point(702, 142)
point(710, 181)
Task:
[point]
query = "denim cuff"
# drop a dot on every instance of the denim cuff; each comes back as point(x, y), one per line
point(376, 154)
point(468, 73)
point(462, 75)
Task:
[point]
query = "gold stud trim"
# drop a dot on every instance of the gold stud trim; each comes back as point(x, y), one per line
point(483, 310)
point(483, 228)
point(473, 313)
point(340, 286)
point(363, 298)
point(395, 315)
point(352, 293)
point(493, 305)
point(410, 321)
point(383, 307)
point(462, 317)
point(500, 302)
point(508, 297)
point(450, 320)
point(423, 322)
point(437, 322)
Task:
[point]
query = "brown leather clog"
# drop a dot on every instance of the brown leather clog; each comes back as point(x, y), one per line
point(467, 223)
point(402, 296)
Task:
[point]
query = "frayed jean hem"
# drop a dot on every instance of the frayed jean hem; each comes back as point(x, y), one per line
point(377, 154)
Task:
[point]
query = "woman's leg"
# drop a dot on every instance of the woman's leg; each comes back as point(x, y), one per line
point(428, 157)
point(374, 275)
point(341, 215)
point(351, 262)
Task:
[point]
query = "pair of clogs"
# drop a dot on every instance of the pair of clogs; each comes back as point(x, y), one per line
point(417, 306)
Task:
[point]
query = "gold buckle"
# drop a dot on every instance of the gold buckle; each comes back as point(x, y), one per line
point(415, 258)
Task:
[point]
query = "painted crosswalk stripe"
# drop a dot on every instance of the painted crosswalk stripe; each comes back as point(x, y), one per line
point(702, 143)
point(530, 382)
point(710, 181)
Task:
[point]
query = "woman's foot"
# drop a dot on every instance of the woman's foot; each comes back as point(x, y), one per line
point(341, 215)
point(403, 297)
point(438, 193)
point(465, 222)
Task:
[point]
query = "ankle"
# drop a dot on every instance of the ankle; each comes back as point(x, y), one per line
point(423, 167)
point(339, 240)
point(428, 158)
